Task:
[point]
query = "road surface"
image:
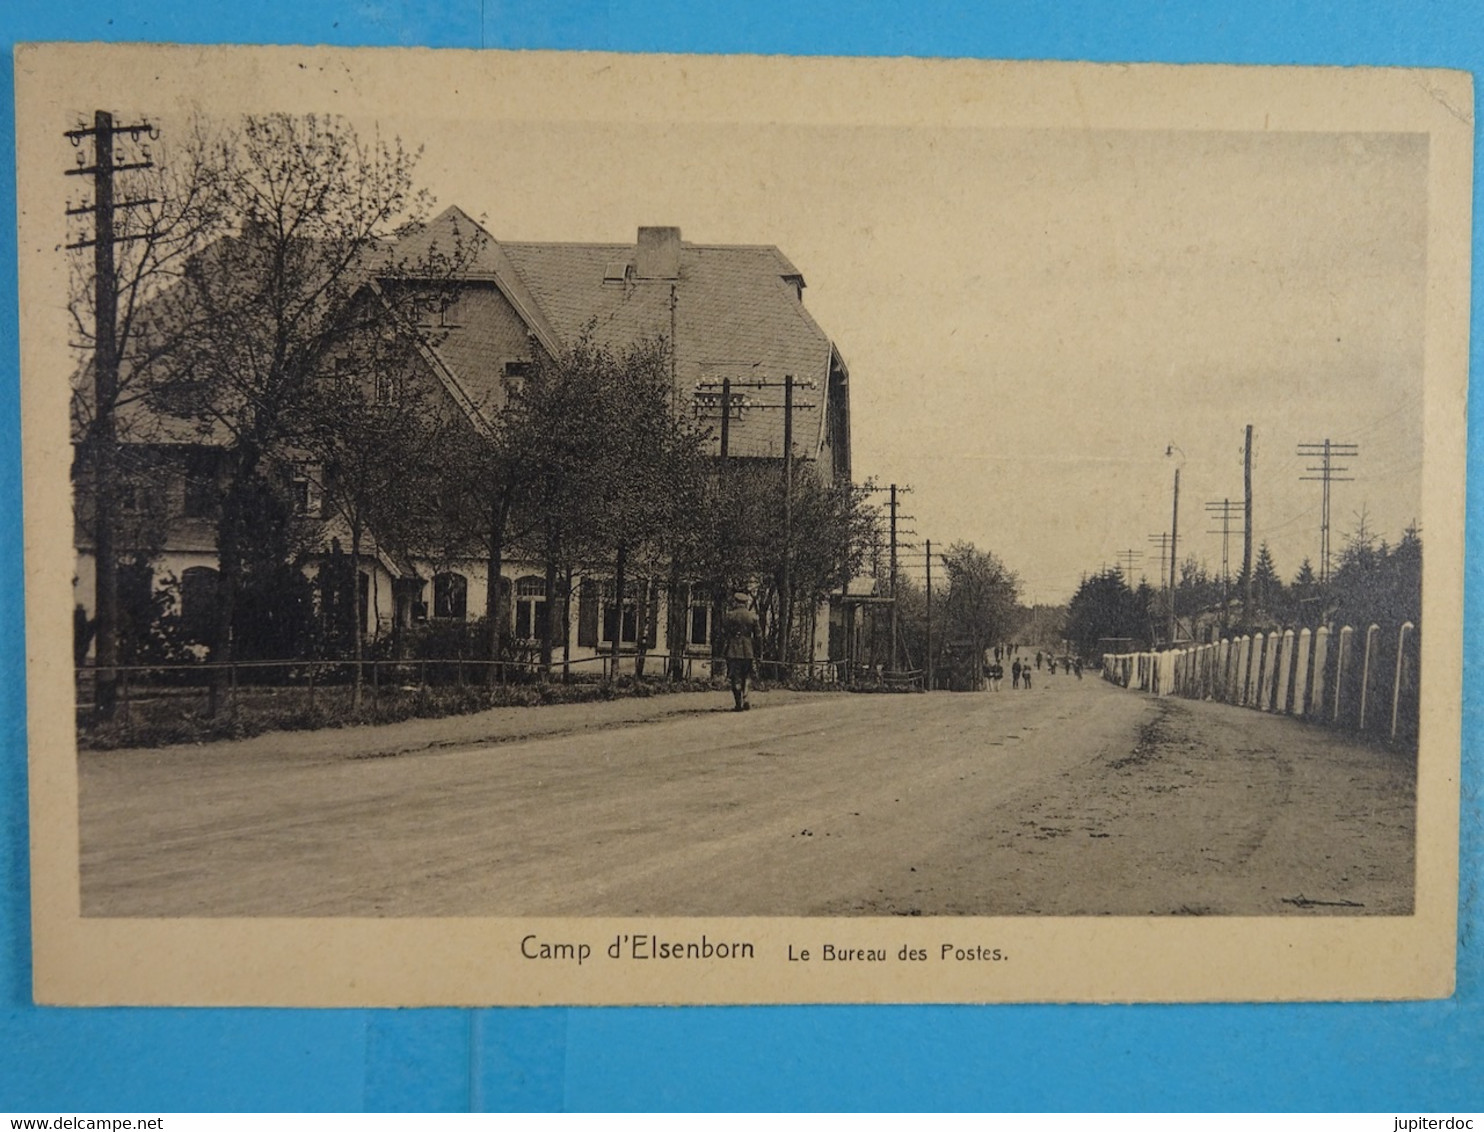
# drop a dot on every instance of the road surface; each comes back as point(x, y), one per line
point(1074, 798)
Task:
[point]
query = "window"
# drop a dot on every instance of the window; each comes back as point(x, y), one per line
point(198, 601)
point(201, 468)
point(517, 369)
point(620, 621)
point(530, 608)
point(699, 626)
point(329, 477)
point(450, 596)
point(299, 494)
point(439, 310)
point(388, 388)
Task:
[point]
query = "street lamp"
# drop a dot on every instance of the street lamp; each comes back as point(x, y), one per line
point(1170, 450)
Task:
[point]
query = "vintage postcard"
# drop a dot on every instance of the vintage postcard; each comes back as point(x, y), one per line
point(519, 528)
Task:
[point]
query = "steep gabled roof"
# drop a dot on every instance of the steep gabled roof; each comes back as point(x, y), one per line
point(455, 236)
point(736, 314)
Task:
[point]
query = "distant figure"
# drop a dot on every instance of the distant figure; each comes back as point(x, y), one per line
point(996, 674)
point(1015, 671)
point(1051, 664)
point(1077, 666)
point(1026, 677)
point(740, 626)
point(1038, 660)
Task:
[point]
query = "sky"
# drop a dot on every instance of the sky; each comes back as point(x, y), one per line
point(1033, 319)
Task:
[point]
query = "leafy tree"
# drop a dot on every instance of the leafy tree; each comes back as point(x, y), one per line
point(373, 441)
point(980, 604)
point(261, 313)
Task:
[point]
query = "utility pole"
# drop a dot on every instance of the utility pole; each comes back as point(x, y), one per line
point(892, 664)
point(1128, 557)
point(929, 664)
point(1326, 452)
point(726, 418)
point(105, 386)
point(788, 518)
point(712, 395)
point(1170, 450)
point(1224, 510)
point(1247, 531)
point(1162, 540)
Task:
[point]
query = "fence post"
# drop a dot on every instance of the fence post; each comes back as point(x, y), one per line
point(1365, 669)
point(232, 691)
point(312, 668)
point(122, 680)
point(1342, 656)
point(1285, 669)
point(1321, 658)
point(1244, 663)
point(1263, 664)
point(1301, 670)
point(1396, 686)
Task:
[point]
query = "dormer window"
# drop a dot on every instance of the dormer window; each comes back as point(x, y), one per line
point(441, 311)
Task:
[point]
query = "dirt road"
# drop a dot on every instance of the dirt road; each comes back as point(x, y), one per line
point(1074, 798)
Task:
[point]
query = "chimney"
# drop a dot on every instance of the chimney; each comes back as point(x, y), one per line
point(659, 254)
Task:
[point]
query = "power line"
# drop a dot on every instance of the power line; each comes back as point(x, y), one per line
point(1162, 540)
point(1327, 452)
point(1224, 509)
point(1129, 556)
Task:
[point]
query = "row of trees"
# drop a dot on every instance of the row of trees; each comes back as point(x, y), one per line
point(271, 316)
point(1372, 582)
point(975, 605)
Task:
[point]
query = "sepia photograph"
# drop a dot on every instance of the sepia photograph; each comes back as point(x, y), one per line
point(860, 530)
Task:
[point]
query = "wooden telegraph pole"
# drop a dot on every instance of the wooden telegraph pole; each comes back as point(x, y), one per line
point(929, 615)
point(788, 521)
point(1247, 610)
point(105, 386)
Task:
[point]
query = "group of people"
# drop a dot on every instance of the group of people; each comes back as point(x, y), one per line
point(742, 645)
point(1020, 671)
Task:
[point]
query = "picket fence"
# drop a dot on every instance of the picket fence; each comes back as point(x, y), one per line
point(1364, 681)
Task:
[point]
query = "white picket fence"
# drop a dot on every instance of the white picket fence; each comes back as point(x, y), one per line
point(1364, 681)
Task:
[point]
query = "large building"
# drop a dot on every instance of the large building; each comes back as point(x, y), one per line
point(726, 311)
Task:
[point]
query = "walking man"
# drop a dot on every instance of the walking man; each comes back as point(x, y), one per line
point(1015, 670)
point(742, 645)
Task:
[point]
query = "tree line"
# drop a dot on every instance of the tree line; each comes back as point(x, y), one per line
point(1372, 582)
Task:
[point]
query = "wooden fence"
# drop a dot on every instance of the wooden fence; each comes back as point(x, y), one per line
point(1360, 680)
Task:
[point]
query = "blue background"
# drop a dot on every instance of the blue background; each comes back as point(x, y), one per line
point(1366, 1056)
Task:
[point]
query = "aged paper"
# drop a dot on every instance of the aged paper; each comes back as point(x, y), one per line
point(1046, 298)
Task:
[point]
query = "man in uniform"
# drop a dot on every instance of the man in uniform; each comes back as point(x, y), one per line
point(740, 627)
